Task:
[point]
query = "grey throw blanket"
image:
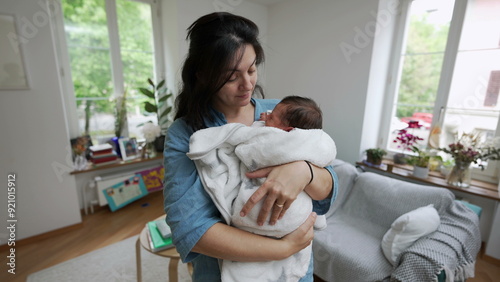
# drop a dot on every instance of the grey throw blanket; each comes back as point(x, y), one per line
point(452, 248)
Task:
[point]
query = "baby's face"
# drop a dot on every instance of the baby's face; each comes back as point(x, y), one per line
point(274, 118)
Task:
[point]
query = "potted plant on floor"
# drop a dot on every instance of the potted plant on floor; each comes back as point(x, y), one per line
point(374, 156)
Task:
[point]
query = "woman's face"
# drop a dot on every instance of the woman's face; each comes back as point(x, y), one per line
point(239, 88)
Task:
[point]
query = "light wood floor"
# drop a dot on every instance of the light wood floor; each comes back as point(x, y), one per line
point(99, 229)
point(104, 228)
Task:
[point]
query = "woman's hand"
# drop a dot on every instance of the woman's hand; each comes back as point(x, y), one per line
point(282, 186)
point(302, 236)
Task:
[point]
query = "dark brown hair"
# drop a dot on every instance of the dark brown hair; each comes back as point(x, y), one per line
point(301, 112)
point(217, 41)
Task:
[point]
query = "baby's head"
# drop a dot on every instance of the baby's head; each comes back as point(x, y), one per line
point(296, 112)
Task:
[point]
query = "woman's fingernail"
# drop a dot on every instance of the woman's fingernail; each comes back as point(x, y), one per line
point(272, 222)
point(242, 214)
point(260, 223)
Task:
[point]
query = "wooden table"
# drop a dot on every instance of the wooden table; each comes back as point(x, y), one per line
point(171, 253)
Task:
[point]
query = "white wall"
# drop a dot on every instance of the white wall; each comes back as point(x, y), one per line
point(178, 15)
point(381, 57)
point(305, 58)
point(35, 139)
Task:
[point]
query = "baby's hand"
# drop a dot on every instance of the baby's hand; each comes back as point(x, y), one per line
point(263, 116)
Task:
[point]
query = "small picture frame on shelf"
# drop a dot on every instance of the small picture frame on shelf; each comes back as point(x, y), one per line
point(128, 148)
point(81, 145)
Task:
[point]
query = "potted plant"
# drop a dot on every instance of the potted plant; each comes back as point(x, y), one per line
point(120, 121)
point(446, 167)
point(120, 114)
point(158, 104)
point(407, 141)
point(420, 162)
point(374, 156)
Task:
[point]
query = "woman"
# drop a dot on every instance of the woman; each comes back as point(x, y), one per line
point(219, 78)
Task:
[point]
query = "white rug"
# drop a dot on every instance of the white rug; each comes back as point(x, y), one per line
point(112, 263)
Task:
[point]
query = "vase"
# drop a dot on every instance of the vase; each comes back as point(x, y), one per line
point(460, 175)
point(116, 146)
point(80, 162)
point(420, 172)
point(149, 150)
point(159, 143)
point(399, 158)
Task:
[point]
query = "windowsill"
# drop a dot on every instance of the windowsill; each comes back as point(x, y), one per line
point(478, 188)
point(118, 164)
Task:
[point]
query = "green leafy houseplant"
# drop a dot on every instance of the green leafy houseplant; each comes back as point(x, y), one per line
point(159, 96)
point(421, 159)
point(375, 155)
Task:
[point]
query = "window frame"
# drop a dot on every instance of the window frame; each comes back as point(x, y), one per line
point(117, 75)
point(490, 174)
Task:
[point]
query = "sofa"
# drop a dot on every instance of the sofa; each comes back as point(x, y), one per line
point(370, 208)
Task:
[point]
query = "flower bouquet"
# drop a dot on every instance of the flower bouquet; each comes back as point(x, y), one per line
point(466, 151)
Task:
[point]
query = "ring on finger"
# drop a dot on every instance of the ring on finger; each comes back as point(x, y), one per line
point(278, 205)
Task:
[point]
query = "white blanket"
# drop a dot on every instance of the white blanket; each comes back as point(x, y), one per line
point(224, 154)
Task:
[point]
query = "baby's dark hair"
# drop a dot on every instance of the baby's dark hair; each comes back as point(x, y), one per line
point(301, 112)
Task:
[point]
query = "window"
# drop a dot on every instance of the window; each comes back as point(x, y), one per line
point(447, 71)
point(113, 48)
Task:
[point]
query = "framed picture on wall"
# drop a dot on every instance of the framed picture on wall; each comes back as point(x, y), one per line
point(13, 73)
point(128, 148)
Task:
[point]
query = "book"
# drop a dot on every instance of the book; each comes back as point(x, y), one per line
point(106, 163)
point(164, 229)
point(101, 147)
point(157, 242)
point(104, 159)
point(102, 153)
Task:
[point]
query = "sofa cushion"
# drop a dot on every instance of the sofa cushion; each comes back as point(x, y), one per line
point(382, 200)
point(407, 229)
point(346, 174)
point(349, 250)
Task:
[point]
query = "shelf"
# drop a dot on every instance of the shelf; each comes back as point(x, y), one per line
point(118, 164)
point(478, 188)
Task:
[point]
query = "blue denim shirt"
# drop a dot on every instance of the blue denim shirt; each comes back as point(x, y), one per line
point(190, 210)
